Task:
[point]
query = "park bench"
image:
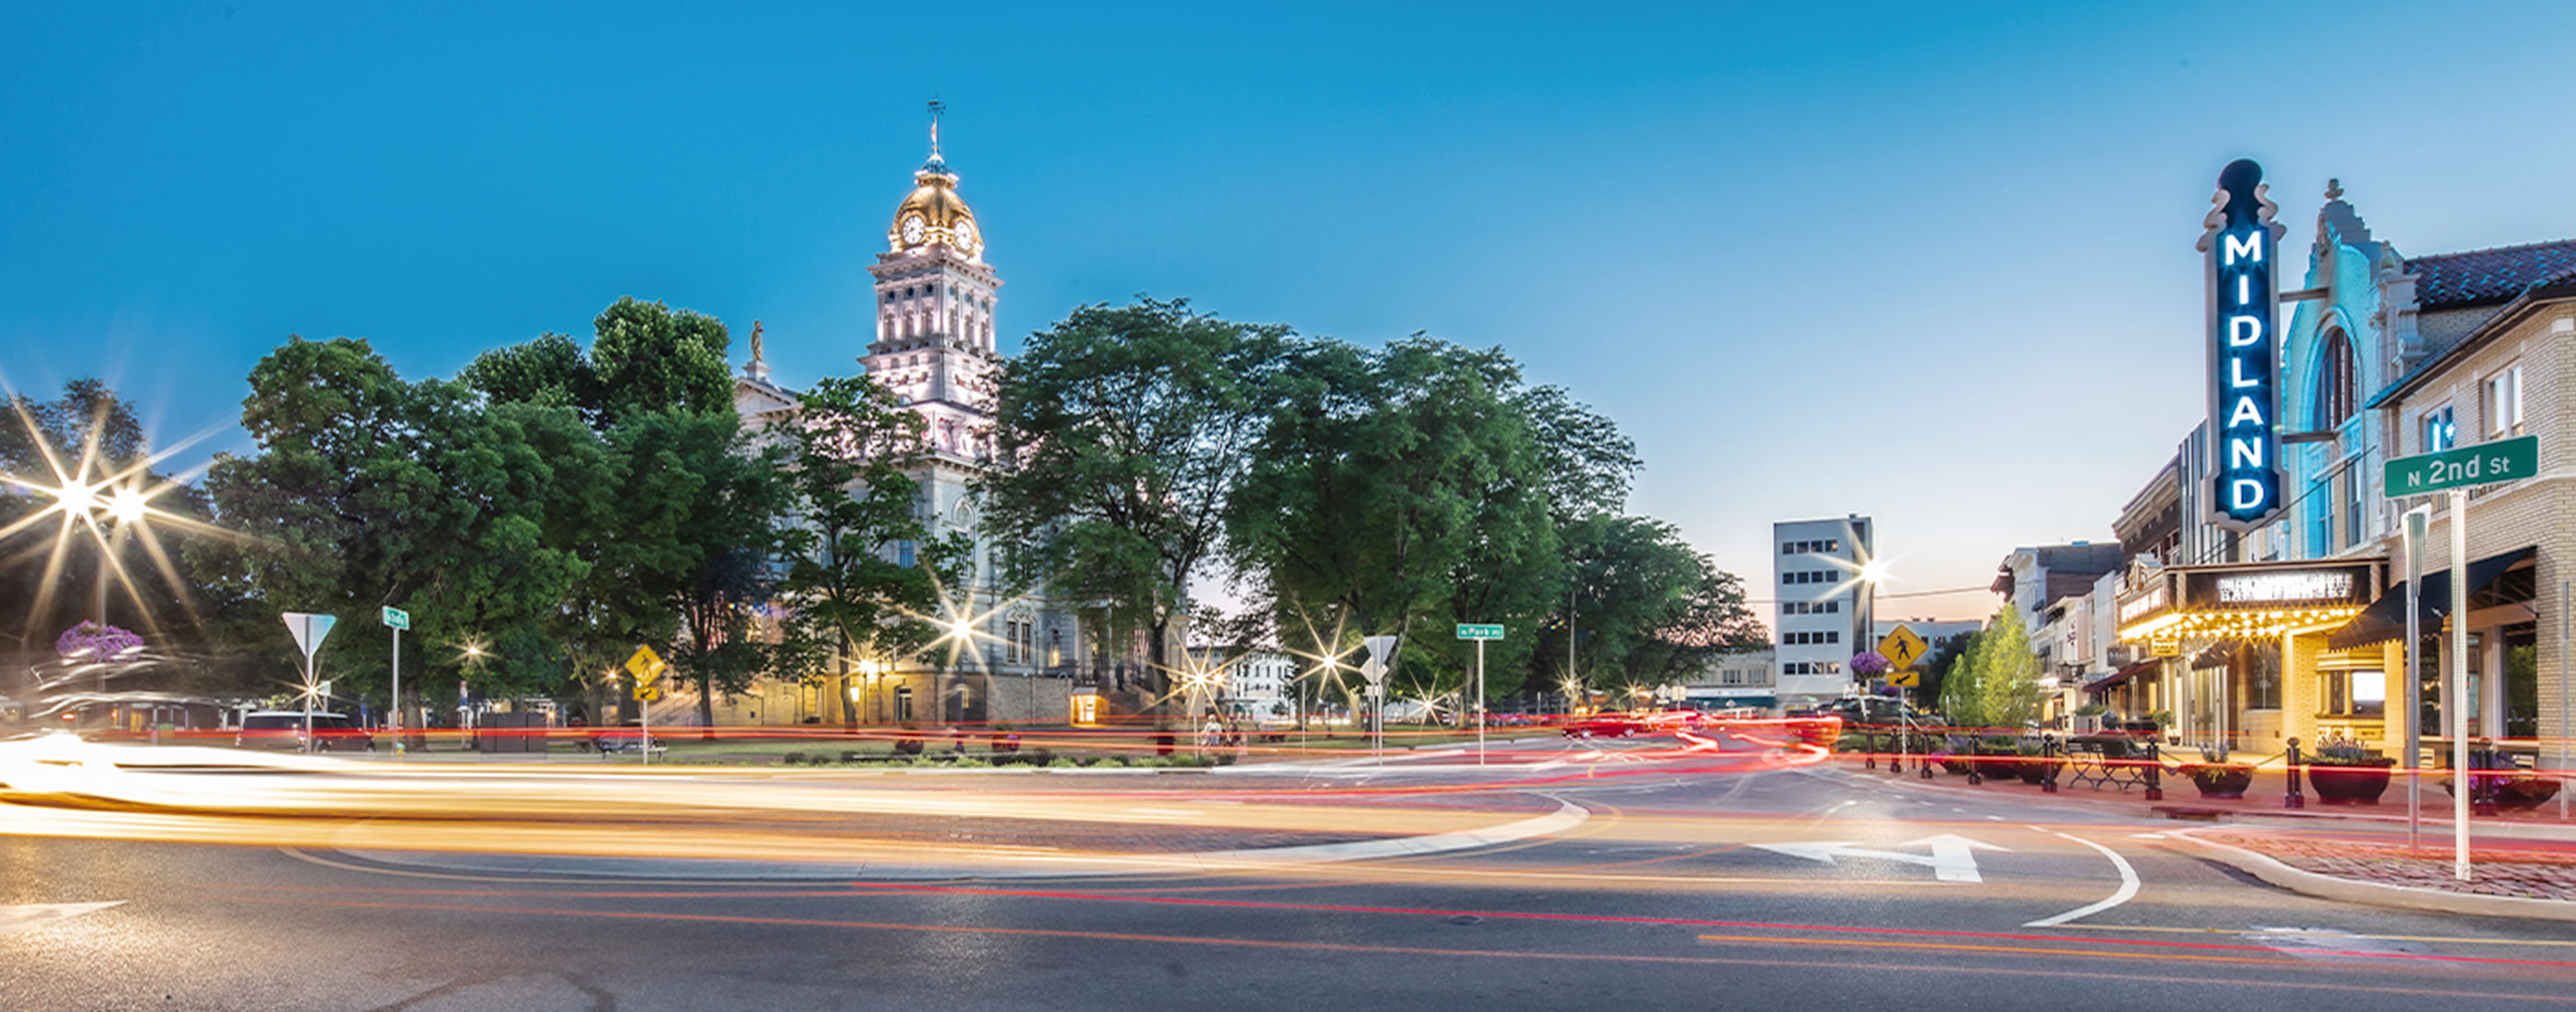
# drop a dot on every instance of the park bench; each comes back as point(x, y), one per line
point(2113, 760)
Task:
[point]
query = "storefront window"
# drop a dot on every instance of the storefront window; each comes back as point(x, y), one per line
point(2263, 678)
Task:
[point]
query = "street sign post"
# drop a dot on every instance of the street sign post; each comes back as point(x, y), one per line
point(1901, 648)
point(397, 620)
point(1381, 653)
point(647, 667)
point(308, 630)
point(2453, 472)
point(1480, 632)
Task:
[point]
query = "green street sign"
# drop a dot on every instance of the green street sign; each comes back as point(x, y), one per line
point(1476, 631)
point(2485, 463)
point(397, 618)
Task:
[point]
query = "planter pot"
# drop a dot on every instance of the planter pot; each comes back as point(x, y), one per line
point(2000, 767)
point(1005, 743)
point(2520, 793)
point(2220, 781)
point(2350, 785)
point(2036, 771)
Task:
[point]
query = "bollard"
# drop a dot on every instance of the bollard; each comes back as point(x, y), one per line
point(2155, 771)
point(2048, 763)
point(2483, 787)
point(2292, 798)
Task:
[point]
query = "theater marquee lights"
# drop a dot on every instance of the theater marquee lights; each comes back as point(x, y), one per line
point(2241, 241)
point(2248, 600)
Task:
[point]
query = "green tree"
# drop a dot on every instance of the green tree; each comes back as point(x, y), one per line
point(551, 371)
point(850, 451)
point(1122, 432)
point(650, 358)
point(131, 576)
point(367, 491)
point(695, 530)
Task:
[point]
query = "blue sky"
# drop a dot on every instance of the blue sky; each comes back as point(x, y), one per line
point(1926, 262)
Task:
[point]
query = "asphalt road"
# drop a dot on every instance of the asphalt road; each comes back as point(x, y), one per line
point(1691, 884)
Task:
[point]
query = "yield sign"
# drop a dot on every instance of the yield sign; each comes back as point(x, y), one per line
point(1952, 858)
point(309, 630)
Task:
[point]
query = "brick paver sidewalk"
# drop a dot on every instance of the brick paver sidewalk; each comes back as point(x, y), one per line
point(2527, 874)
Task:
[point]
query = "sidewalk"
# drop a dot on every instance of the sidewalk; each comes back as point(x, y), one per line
point(2263, 800)
point(2523, 863)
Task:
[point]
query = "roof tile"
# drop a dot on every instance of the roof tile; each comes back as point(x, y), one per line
point(2489, 275)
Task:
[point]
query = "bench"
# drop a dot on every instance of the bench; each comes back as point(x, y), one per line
point(2112, 760)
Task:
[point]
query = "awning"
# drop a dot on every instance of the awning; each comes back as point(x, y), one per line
point(2116, 678)
point(2386, 619)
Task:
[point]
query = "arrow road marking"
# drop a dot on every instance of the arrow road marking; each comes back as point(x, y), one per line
point(1953, 857)
point(31, 915)
point(2128, 886)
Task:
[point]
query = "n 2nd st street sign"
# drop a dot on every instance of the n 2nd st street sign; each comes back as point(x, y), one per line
point(1475, 631)
point(2485, 463)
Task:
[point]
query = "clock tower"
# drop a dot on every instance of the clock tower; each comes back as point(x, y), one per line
point(934, 313)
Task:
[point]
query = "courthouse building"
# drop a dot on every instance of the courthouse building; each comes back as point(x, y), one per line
point(933, 347)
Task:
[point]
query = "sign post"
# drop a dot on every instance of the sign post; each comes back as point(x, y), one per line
point(2418, 521)
point(2454, 471)
point(647, 667)
point(1381, 653)
point(397, 620)
point(1480, 632)
point(308, 630)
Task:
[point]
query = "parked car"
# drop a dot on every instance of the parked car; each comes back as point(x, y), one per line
point(284, 729)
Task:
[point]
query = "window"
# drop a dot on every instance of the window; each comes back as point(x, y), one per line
point(2438, 431)
point(903, 703)
point(2336, 387)
point(903, 554)
point(2501, 401)
point(2352, 506)
point(2353, 694)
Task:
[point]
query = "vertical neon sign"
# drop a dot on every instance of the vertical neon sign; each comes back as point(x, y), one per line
point(2241, 241)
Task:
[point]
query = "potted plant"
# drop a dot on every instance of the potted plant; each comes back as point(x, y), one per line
point(1004, 740)
point(909, 742)
point(1999, 758)
point(2345, 773)
point(2509, 787)
point(2216, 777)
point(2036, 764)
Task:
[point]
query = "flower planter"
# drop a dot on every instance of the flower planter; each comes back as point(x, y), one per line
point(2359, 784)
point(2001, 767)
point(2229, 781)
point(2036, 771)
point(2518, 793)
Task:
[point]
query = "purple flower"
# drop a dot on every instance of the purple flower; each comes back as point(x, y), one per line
point(1868, 663)
point(97, 641)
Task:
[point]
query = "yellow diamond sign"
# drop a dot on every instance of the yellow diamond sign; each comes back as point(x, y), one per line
point(1901, 648)
point(647, 667)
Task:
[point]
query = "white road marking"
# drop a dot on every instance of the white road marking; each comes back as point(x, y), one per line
point(33, 914)
point(2128, 886)
point(1953, 858)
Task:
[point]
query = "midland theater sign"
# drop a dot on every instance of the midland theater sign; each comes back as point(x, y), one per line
point(2241, 243)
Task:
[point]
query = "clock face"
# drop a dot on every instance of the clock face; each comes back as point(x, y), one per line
point(912, 230)
point(964, 231)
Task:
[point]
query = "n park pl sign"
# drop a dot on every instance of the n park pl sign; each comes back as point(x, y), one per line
point(2240, 240)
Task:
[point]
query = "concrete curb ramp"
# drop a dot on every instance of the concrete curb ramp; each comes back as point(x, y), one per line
point(2269, 869)
point(1003, 864)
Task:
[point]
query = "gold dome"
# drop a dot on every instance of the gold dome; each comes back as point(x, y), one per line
point(935, 215)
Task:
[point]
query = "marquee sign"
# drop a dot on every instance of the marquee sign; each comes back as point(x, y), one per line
point(2277, 586)
point(2241, 242)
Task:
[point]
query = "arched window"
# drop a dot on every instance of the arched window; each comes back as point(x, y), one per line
point(2337, 383)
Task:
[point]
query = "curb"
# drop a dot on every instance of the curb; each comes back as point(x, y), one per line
point(1015, 866)
point(2297, 880)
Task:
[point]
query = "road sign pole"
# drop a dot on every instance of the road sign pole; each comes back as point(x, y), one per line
point(2461, 781)
point(308, 701)
point(2413, 677)
point(1480, 702)
point(393, 721)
